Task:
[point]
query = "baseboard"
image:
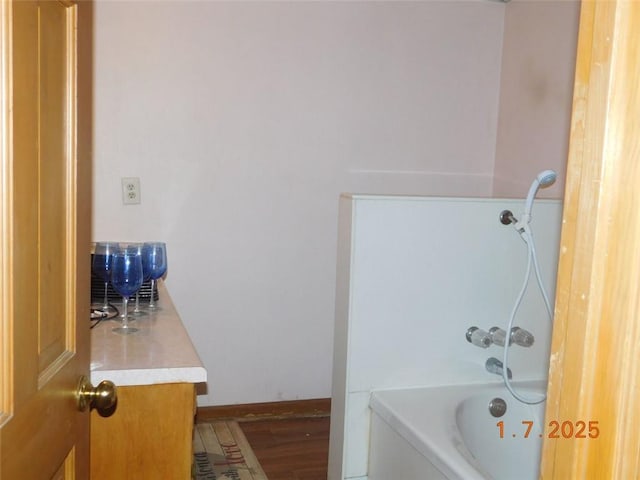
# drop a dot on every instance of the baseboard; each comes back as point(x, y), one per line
point(319, 407)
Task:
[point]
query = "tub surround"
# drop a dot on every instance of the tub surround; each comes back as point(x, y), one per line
point(156, 371)
point(414, 273)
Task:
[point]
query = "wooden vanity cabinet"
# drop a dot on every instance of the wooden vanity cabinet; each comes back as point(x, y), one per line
point(148, 436)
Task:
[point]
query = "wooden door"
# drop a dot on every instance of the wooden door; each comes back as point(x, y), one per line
point(45, 237)
point(594, 376)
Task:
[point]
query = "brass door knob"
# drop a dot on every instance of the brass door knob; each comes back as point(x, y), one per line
point(103, 397)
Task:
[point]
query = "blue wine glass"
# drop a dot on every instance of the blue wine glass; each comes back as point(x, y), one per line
point(139, 248)
point(155, 255)
point(126, 279)
point(101, 266)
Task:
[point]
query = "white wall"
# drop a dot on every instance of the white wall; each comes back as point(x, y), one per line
point(244, 122)
point(536, 88)
point(414, 273)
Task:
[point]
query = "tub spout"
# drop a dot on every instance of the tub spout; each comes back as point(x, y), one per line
point(493, 365)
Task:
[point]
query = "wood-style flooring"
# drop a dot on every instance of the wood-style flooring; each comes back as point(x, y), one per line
point(290, 448)
point(290, 439)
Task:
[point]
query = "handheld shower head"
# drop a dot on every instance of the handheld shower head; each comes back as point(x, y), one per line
point(546, 178)
point(543, 180)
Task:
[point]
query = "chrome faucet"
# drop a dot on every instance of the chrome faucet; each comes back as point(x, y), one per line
point(493, 365)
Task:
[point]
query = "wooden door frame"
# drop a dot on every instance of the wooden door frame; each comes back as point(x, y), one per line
point(594, 371)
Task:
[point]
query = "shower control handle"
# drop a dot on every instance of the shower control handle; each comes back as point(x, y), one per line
point(521, 337)
point(498, 336)
point(478, 337)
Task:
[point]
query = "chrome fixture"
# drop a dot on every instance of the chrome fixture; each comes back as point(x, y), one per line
point(497, 407)
point(507, 218)
point(498, 336)
point(478, 337)
point(518, 335)
point(493, 365)
point(521, 337)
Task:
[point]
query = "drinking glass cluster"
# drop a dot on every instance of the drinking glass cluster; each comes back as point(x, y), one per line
point(126, 267)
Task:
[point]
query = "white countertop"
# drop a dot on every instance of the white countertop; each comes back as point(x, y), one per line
point(160, 352)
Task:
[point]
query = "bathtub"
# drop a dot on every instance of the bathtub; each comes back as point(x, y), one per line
point(448, 433)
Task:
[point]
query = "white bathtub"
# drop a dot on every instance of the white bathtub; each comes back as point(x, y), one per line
point(448, 433)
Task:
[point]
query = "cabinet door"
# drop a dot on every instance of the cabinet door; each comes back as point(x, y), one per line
point(150, 435)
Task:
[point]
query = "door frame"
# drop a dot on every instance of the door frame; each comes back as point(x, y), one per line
point(594, 373)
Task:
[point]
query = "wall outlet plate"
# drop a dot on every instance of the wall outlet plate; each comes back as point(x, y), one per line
point(130, 190)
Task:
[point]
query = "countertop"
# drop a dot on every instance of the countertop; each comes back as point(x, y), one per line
point(160, 352)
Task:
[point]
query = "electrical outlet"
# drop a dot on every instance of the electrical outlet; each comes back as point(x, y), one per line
point(130, 190)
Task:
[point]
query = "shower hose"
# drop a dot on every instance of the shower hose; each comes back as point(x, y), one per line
point(532, 259)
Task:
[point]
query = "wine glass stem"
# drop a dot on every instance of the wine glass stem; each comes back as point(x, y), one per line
point(137, 308)
point(105, 307)
point(125, 317)
point(152, 302)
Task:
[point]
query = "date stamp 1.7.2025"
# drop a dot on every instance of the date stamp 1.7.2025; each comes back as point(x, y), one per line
point(555, 429)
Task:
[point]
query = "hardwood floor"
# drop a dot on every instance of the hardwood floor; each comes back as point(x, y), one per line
point(290, 439)
point(290, 448)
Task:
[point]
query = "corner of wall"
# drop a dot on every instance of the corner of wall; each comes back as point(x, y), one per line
point(537, 72)
point(339, 400)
